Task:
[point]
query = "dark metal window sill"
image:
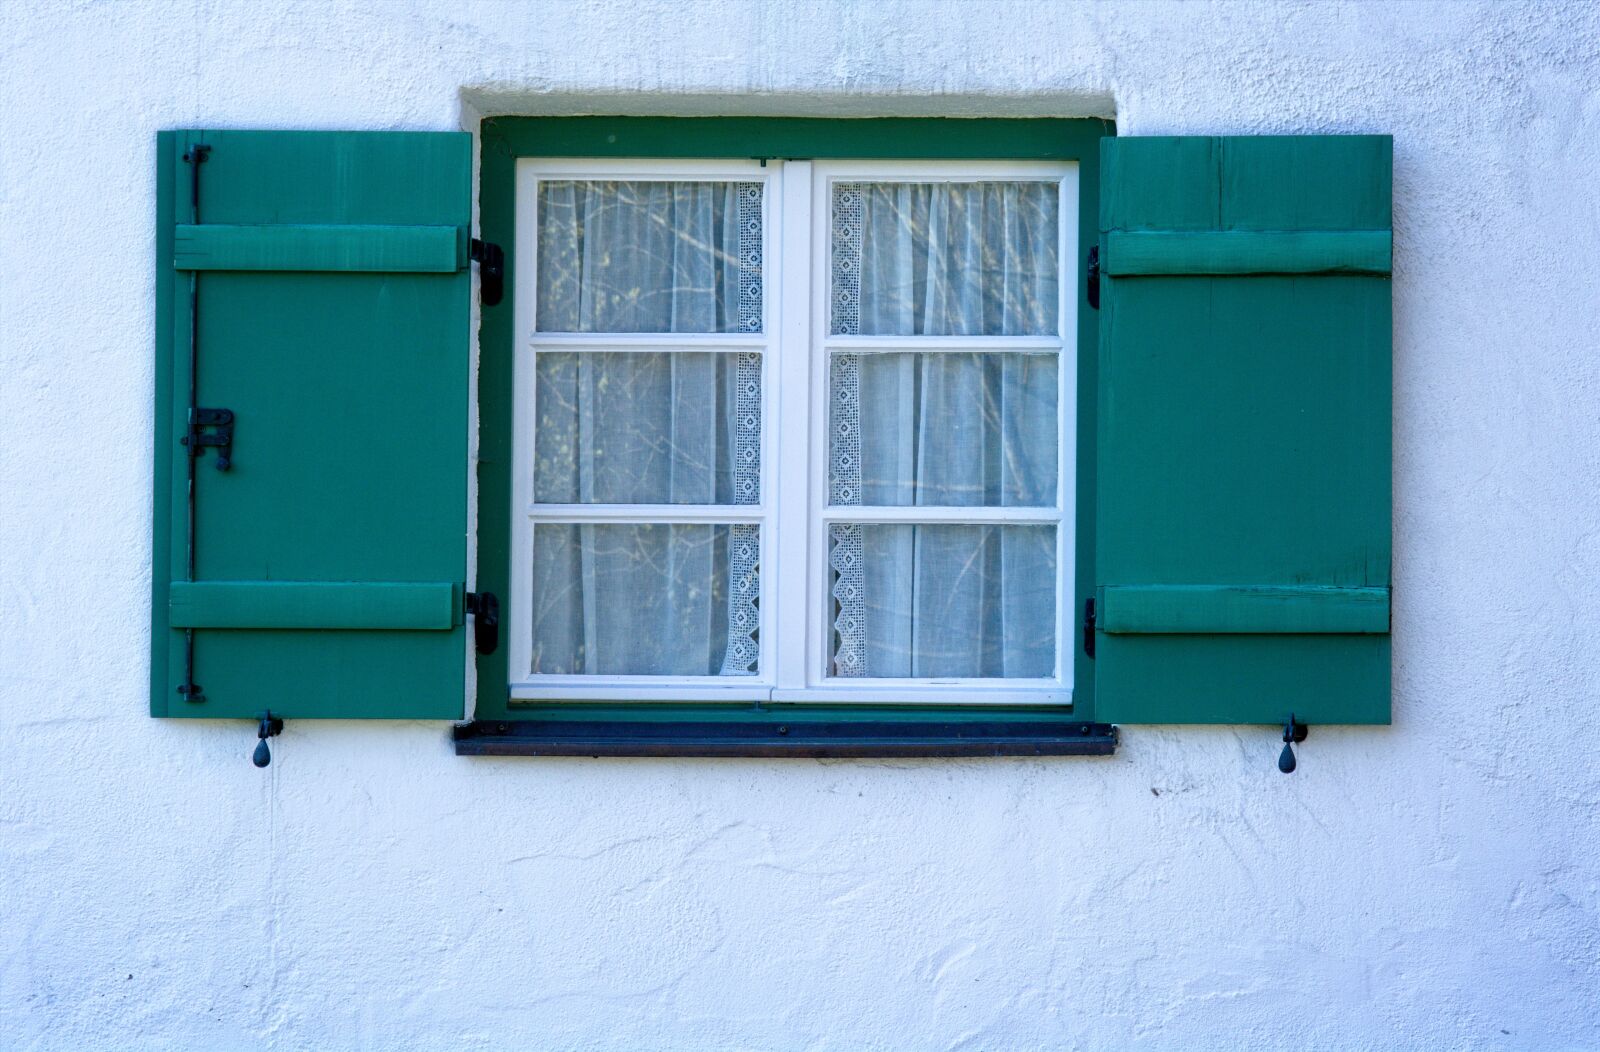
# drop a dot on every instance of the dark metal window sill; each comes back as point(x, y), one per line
point(776, 735)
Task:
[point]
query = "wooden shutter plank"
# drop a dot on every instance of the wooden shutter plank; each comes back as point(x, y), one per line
point(1130, 252)
point(216, 246)
point(314, 604)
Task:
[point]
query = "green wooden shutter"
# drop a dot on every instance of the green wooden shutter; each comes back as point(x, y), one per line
point(1242, 570)
point(332, 289)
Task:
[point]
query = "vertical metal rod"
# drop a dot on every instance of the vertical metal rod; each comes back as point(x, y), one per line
point(195, 156)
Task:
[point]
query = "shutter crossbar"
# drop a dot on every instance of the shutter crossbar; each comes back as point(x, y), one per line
point(1240, 609)
point(1131, 253)
point(355, 247)
point(315, 605)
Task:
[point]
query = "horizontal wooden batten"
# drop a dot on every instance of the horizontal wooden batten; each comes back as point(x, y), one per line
point(315, 604)
point(357, 248)
point(1241, 609)
point(1131, 253)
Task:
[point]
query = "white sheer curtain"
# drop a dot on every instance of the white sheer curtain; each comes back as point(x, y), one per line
point(680, 427)
point(944, 428)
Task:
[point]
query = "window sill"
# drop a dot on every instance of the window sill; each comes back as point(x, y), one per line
point(776, 733)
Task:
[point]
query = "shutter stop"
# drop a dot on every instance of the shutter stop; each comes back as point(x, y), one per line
point(1293, 731)
point(271, 726)
point(491, 260)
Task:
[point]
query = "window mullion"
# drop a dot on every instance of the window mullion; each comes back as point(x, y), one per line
point(790, 584)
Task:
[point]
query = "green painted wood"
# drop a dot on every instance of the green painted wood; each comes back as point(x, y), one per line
point(349, 247)
point(496, 354)
point(350, 443)
point(314, 604)
point(887, 138)
point(1210, 609)
point(167, 151)
point(504, 139)
point(1244, 433)
point(1130, 252)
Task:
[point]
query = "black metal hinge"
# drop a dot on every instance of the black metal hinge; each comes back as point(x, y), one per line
point(485, 610)
point(1088, 627)
point(199, 437)
point(1094, 277)
point(491, 262)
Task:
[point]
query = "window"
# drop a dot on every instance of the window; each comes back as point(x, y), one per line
point(793, 430)
point(823, 455)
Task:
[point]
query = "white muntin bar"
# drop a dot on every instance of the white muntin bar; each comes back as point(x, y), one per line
point(642, 688)
point(918, 514)
point(675, 343)
point(963, 344)
point(646, 513)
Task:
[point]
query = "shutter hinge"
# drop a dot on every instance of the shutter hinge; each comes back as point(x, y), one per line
point(491, 262)
point(198, 437)
point(1088, 627)
point(485, 610)
point(1094, 277)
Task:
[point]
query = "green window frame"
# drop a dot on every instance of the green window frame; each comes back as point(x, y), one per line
point(768, 728)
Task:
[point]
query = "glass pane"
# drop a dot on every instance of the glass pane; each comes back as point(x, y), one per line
point(937, 601)
point(943, 428)
point(647, 428)
point(624, 256)
point(945, 259)
point(645, 600)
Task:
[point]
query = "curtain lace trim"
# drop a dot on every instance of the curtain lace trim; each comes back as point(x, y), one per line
point(845, 554)
point(744, 545)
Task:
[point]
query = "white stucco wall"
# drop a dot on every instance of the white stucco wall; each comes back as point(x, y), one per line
point(1434, 884)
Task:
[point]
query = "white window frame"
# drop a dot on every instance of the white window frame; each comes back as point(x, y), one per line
point(793, 513)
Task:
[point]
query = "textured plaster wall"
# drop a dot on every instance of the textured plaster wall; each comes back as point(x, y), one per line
point(1430, 885)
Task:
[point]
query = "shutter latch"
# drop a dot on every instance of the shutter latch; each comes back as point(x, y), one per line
point(211, 427)
point(1088, 627)
point(485, 610)
point(491, 262)
point(1293, 731)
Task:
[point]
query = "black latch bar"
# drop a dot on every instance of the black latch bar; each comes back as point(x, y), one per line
point(199, 437)
point(485, 610)
point(491, 260)
point(1088, 627)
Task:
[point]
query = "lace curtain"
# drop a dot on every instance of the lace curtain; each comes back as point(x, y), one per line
point(906, 428)
point(681, 427)
point(943, 428)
